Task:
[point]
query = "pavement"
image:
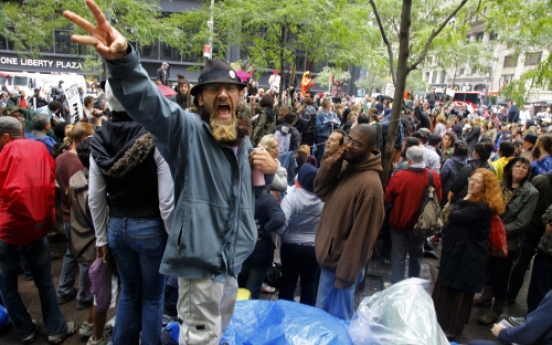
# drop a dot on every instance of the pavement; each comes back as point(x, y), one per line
point(378, 273)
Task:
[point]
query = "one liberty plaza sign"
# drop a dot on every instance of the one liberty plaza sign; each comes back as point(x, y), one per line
point(21, 63)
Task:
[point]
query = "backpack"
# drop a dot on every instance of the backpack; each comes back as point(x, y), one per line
point(284, 137)
point(430, 221)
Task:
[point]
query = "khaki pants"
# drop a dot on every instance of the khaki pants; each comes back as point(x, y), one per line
point(205, 308)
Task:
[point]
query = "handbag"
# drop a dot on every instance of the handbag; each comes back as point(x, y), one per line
point(498, 245)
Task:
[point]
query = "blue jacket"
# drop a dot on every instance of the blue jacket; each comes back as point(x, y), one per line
point(537, 329)
point(323, 124)
point(541, 166)
point(213, 229)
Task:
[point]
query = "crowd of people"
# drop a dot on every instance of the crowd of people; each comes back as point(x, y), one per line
point(170, 205)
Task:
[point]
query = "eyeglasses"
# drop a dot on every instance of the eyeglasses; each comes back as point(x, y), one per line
point(274, 147)
point(215, 88)
point(471, 179)
point(355, 144)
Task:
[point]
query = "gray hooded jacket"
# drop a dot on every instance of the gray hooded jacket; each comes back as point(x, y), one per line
point(213, 229)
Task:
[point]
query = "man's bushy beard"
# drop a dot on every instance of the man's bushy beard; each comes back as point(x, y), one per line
point(224, 130)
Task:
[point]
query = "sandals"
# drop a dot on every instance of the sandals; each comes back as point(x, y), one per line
point(60, 338)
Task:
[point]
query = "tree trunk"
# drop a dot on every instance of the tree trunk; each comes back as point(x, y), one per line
point(400, 85)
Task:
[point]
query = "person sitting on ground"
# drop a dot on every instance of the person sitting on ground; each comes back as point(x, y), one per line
point(537, 329)
point(304, 156)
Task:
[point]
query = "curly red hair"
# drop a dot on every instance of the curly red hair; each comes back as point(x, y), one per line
point(491, 194)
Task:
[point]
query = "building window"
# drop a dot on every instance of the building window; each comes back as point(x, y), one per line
point(427, 77)
point(63, 44)
point(479, 37)
point(533, 58)
point(462, 70)
point(468, 39)
point(150, 51)
point(434, 78)
point(169, 53)
point(443, 76)
point(506, 79)
point(493, 36)
point(510, 61)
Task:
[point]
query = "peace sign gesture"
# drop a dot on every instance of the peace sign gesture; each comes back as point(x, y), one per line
point(109, 43)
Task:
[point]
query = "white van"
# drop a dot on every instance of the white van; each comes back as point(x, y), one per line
point(28, 81)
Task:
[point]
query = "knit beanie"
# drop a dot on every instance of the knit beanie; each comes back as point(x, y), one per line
point(307, 174)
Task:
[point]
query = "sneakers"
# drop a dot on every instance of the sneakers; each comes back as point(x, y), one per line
point(66, 298)
point(516, 321)
point(101, 341)
point(108, 328)
point(31, 338)
point(267, 288)
point(60, 338)
point(86, 329)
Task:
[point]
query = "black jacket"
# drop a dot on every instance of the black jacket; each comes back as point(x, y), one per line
point(473, 137)
point(269, 218)
point(460, 185)
point(123, 150)
point(464, 255)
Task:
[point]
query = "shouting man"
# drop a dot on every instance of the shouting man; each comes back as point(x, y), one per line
point(211, 158)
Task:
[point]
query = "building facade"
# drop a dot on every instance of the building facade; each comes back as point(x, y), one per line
point(505, 67)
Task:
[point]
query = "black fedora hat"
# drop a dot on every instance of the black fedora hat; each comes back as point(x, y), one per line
point(216, 71)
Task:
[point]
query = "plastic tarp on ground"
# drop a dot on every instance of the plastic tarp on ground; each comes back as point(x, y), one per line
point(258, 322)
point(401, 314)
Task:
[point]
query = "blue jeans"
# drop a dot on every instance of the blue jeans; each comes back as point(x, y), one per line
point(252, 278)
point(69, 272)
point(321, 149)
point(37, 256)
point(337, 302)
point(137, 245)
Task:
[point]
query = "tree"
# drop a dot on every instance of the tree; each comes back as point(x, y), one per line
point(414, 46)
point(30, 24)
point(523, 26)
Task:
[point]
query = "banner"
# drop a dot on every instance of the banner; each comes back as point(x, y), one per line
point(72, 96)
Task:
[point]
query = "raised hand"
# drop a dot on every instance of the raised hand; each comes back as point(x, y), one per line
point(109, 43)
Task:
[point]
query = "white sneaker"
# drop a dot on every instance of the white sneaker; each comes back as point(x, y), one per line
point(101, 341)
point(86, 329)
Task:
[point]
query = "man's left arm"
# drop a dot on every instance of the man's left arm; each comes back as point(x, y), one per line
point(368, 215)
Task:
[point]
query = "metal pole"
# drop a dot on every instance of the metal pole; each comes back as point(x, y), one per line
point(210, 24)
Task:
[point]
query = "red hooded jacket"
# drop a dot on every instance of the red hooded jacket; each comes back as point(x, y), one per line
point(27, 190)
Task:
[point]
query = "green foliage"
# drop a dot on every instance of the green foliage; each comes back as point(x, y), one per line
point(523, 26)
point(30, 24)
point(323, 77)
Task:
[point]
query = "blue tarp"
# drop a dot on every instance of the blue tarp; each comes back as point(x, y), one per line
point(258, 322)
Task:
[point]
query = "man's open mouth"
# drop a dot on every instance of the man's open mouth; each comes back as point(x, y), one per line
point(223, 111)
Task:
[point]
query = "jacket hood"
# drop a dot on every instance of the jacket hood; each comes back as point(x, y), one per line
point(269, 112)
point(79, 181)
point(119, 146)
point(284, 128)
point(371, 163)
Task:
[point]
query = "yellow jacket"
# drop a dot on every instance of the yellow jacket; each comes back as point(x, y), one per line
point(499, 165)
